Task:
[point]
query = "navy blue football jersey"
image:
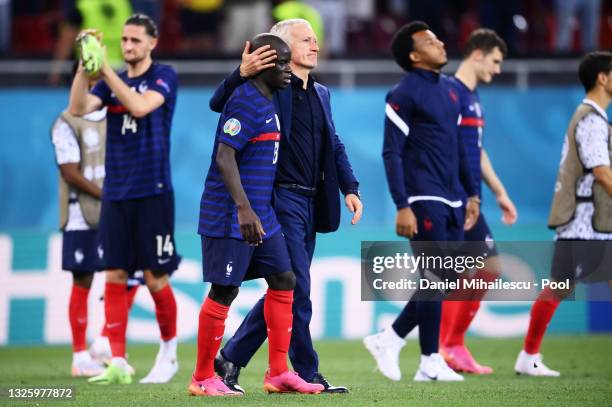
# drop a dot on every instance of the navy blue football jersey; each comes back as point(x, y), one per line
point(138, 150)
point(249, 125)
point(471, 127)
point(424, 160)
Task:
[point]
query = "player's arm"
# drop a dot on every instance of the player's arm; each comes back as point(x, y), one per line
point(509, 213)
point(397, 118)
point(592, 145)
point(81, 101)
point(250, 225)
point(72, 175)
point(252, 63)
point(472, 208)
point(67, 155)
point(603, 175)
point(139, 105)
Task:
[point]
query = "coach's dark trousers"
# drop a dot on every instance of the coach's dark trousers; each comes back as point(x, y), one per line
point(296, 215)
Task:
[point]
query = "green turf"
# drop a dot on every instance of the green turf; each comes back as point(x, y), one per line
point(585, 363)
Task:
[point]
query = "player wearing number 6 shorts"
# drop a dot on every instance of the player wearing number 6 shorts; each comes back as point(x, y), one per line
point(137, 218)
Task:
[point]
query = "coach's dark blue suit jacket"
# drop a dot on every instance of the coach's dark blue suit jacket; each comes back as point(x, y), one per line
point(337, 172)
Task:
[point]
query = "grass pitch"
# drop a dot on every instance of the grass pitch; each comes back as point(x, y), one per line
point(585, 363)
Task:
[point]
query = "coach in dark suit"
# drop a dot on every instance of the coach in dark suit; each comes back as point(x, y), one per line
point(313, 167)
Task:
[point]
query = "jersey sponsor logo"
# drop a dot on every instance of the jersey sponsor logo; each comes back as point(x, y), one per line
point(269, 120)
point(232, 127)
point(163, 261)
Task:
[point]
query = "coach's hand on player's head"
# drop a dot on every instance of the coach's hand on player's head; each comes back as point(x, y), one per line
point(256, 61)
point(406, 223)
point(353, 203)
point(472, 211)
point(250, 226)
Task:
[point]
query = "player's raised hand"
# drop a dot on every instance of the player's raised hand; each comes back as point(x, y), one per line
point(509, 212)
point(353, 203)
point(250, 226)
point(406, 223)
point(472, 211)
point(256, 61)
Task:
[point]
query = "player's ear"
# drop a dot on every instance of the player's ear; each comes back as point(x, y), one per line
point(414, 57)
point(602, 78)
point(153, 43)
point(478, 55)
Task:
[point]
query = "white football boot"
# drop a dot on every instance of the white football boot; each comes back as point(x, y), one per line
point(100, 351)
point(84, 365)
point(532, 365)
point(434, 368)
point(385, 347)
point(166, 363)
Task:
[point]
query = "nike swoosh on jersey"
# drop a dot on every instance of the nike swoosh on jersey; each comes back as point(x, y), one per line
point(269, 120)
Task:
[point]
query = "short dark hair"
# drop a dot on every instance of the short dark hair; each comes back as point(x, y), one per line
point(485, 40)
point(592, 65)
point(402, 44)
point(145, 21)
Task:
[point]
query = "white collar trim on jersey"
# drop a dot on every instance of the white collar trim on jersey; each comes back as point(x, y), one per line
point(96, 115)
point(596, 107)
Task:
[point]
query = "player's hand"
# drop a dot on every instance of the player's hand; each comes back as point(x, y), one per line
point(406, 223)
point(90, 31)
point(472, 211)
point(250, 226)
point(256, 61)
point(353, 203)
point(509, 213)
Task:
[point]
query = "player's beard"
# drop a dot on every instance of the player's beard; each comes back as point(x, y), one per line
point(134, 60)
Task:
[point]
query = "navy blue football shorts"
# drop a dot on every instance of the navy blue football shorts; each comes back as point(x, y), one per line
point(138, 234)
point(229, 262)
point(481, 233)
point(80, 251)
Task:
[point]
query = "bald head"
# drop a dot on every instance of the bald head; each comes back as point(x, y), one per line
point(274, 41)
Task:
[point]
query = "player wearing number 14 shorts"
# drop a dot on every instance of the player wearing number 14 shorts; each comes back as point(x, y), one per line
point(137, 217)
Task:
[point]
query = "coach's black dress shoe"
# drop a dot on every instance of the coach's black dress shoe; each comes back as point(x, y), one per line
point(229, 372)
point(328, 388)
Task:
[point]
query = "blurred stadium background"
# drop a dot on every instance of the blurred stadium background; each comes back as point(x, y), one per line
point(527, 110)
